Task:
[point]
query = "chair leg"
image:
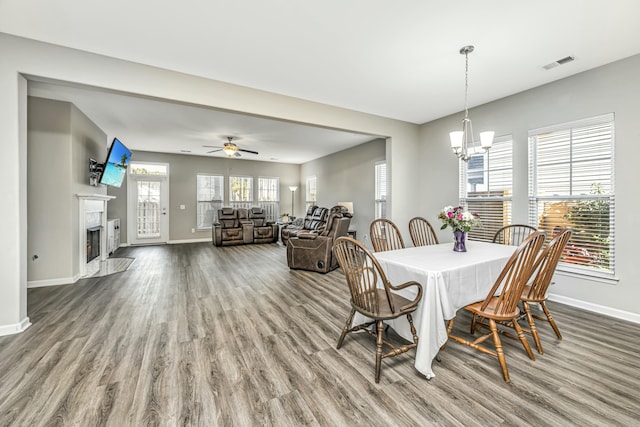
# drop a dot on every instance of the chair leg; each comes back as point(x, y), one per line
point(532, 326)
point(346, 328)
point(380, 327)
point(473, 324)
point(449, 329)
point(523, 339)
point(413, 329)
point(550, 319)
point(499, 351)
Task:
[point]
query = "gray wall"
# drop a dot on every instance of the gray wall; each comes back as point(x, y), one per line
point(611, 88)
point(182, 188)
point(60, 141)
point(347, 176)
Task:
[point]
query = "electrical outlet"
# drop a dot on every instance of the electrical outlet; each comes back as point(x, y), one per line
point(193, 230)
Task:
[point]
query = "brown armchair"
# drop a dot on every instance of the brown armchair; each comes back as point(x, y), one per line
point(312, 251)
point(263, 231)
point(233, 227)
point(314, 221)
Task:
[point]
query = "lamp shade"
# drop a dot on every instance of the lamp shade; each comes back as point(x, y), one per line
point(293, 187)
point(456, 139)
point(348, 205)
point(486, 139)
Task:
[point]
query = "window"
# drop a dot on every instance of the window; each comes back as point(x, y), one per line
point(241, 191)
point(312, 192)
point(209, 198)
point(269, 197)
point(571, 186)
point(157, 169)
point(486, 188)
point(381, 190)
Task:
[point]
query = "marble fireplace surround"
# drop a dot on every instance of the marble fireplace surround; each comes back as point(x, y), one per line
point(93, 213)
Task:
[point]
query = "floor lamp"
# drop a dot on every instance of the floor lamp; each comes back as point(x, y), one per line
point(293, 189)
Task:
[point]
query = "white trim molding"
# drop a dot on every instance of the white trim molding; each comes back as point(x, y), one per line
point(53, 282)
point(600, 309)
point(178, 242)
point(15, 328)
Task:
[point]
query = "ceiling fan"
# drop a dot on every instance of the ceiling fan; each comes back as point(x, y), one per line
point(230, 149)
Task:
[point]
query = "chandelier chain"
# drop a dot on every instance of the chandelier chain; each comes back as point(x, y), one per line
point(466, 84)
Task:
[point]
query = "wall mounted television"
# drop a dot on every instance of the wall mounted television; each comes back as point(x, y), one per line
point(115, 168)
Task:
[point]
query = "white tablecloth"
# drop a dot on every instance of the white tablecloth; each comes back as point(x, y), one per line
point(450, 281)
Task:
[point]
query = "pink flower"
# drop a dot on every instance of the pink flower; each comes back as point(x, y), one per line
point(450, 214)
point(459, 217)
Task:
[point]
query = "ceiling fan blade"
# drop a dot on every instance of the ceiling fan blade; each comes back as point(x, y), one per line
point(214, 151)
point(247, 151)
point(237, 154)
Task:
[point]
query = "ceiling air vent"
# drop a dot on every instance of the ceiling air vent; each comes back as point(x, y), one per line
point(559, 62)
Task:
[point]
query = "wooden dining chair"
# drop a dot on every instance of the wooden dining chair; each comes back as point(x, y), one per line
point(421, 232)
point(385, 235)
point(536, 290)
point(513, 234)
point(503, 307)
point(373, 296)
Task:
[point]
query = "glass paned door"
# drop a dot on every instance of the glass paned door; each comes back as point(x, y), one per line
point(147, 205)
point(148, 210)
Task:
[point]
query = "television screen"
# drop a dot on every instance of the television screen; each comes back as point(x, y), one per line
point(115, 167)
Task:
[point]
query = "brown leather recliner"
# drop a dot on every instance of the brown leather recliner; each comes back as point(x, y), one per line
point(312, 251)
point(233, 227)
point(314, 221)
point(263, 231)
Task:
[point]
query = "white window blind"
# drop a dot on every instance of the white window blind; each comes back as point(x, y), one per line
point(571, 185)
point(312, 192)
point(269, 197)
point(486, 188)
point(381, 190)
point(209, 198)
point(241, 191)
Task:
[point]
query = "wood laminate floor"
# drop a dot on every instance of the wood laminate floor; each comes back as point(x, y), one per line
point(197, 335)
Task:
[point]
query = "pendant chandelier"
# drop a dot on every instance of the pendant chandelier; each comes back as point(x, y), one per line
point(462, 143)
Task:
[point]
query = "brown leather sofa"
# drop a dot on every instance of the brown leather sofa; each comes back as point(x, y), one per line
point(263, 231)
point(312, 251)
point(315, 220)
point(242, 226)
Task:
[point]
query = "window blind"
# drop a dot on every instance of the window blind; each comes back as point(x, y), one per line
point(209, 198)
point(486, 188)
point(381, 190)
point(571, 185)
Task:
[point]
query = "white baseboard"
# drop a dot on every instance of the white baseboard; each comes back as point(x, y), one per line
point(600, 309)
point(16, 328)
point(53, 282)
point(177, 242)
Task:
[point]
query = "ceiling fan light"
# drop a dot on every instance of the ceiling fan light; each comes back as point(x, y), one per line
point(229, 151)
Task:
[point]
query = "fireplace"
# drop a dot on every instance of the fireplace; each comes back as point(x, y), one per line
point(93, 243)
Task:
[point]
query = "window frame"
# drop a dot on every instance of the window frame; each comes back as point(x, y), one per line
point(271, 207)
point(575, 196)
point(242, 203)
point(215, 203)
point(381, 189)
point(311, 192)
point(490, 225)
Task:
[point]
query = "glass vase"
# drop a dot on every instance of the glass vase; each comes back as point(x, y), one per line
point(459, 241)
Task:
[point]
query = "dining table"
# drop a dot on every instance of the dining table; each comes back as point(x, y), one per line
point(450, 281)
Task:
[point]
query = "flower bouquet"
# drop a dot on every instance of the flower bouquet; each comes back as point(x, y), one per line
point(460, 221)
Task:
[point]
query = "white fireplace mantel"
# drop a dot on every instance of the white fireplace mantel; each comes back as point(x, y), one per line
point(91, 203)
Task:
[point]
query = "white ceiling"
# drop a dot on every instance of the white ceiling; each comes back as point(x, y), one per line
point(394, 59)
